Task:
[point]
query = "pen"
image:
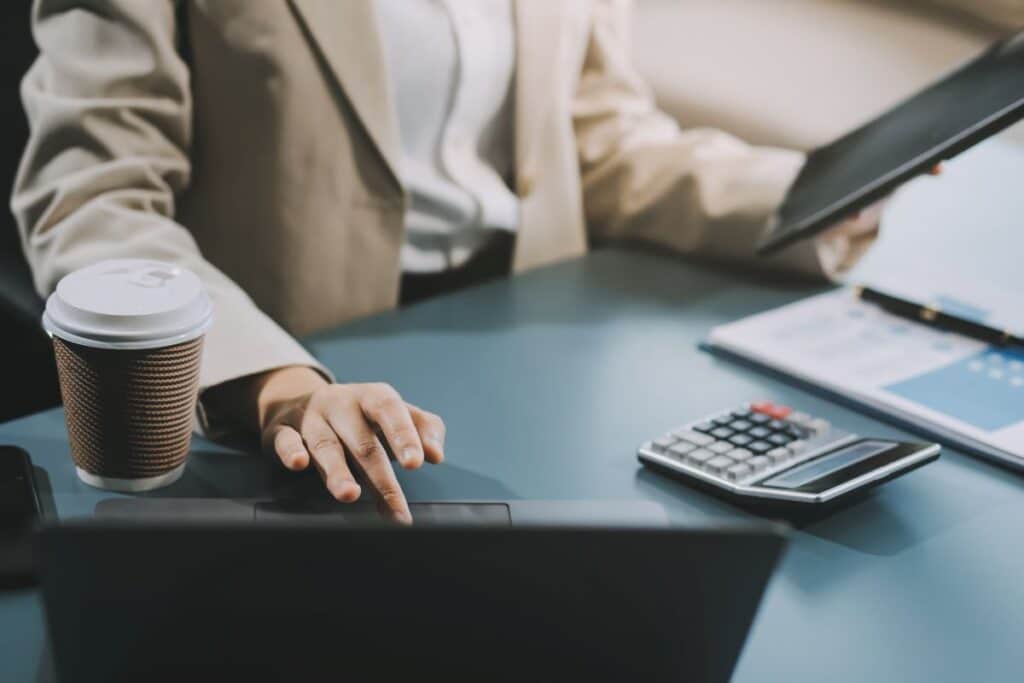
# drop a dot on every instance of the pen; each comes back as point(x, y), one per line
point(936, 317)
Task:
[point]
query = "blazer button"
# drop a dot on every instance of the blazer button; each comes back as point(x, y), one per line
point(525, 183)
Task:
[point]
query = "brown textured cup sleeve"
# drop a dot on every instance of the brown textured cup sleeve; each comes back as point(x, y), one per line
point(129, 413)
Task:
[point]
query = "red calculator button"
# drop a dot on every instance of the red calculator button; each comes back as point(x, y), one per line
point(772, 410)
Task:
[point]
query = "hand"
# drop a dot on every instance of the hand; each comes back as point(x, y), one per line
point(303, 419)
point(866, 221)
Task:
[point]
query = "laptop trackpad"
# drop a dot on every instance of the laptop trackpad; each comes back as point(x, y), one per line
point(529, 513)
point(365, 514)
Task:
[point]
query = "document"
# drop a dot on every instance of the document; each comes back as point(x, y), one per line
point(964, 391)
point(955, 242)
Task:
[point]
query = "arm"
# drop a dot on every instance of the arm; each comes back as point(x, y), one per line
point(696, 191)
point(109, 106)
point(106, 157)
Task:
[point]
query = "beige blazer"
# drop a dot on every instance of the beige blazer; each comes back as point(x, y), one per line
point(255, 142)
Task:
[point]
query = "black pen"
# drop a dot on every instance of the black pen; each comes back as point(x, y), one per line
point(936, 317)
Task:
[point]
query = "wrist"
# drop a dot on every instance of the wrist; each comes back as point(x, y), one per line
point(247, 400)
point(282, 384)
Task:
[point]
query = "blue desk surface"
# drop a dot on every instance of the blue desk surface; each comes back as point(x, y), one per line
point(549, 381)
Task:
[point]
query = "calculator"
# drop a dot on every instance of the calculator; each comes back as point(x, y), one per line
point(768, 452)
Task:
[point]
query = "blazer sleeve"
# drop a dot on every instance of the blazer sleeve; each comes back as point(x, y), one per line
point(109, 109)
point(697, 191)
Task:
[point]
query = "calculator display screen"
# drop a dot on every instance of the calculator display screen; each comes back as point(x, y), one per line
point(831, 463)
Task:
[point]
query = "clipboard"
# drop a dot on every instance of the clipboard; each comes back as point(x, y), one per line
point(939, 383)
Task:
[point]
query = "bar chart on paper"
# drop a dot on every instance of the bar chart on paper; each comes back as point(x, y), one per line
point(985, 390)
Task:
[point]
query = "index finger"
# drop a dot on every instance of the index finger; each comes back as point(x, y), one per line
point(370, 457)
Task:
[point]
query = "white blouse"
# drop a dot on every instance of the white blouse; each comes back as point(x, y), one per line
point(451, 66)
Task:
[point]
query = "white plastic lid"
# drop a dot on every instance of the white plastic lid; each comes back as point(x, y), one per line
point(128, 304)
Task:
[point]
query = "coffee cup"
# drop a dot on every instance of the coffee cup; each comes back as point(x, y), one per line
point(128, 335)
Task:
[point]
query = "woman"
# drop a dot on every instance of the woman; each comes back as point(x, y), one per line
point(314, 161)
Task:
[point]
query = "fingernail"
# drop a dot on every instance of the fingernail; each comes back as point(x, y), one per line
point(435, 441)
point(340, 487)
point(409, 455)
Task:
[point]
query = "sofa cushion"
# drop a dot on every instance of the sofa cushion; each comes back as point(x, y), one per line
point(794, 73)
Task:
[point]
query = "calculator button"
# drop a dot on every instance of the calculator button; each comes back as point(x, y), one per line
point(772, 410)
point(777, 455)
point(741, 414)
point(699, 456)
point(704, 426)
point(681, 448)
point(718, 465)
point(778, 425)
point(759, 447)
point(759, 433)
point(759, 418)
point(758, 463)
point(721, 433)
point(741, 425)
point(720, 447)
point(780, 439)
point(739, 454)
point(819, 426)
point(738, 471)
point(796, 447)
point(799, 418)
point(740, 440)
point(696, 438)
point(663, 443)
point(723, 419)
point(796, 432)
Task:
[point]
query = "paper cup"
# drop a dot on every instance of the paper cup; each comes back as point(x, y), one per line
point(128, 335)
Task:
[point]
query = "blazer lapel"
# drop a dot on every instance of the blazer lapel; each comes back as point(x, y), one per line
point(346, 35)
point(537, 47)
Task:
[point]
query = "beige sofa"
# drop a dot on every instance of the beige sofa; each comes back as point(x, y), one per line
point(797, 73)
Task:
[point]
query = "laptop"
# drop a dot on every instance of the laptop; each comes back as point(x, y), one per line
point(286, 599)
